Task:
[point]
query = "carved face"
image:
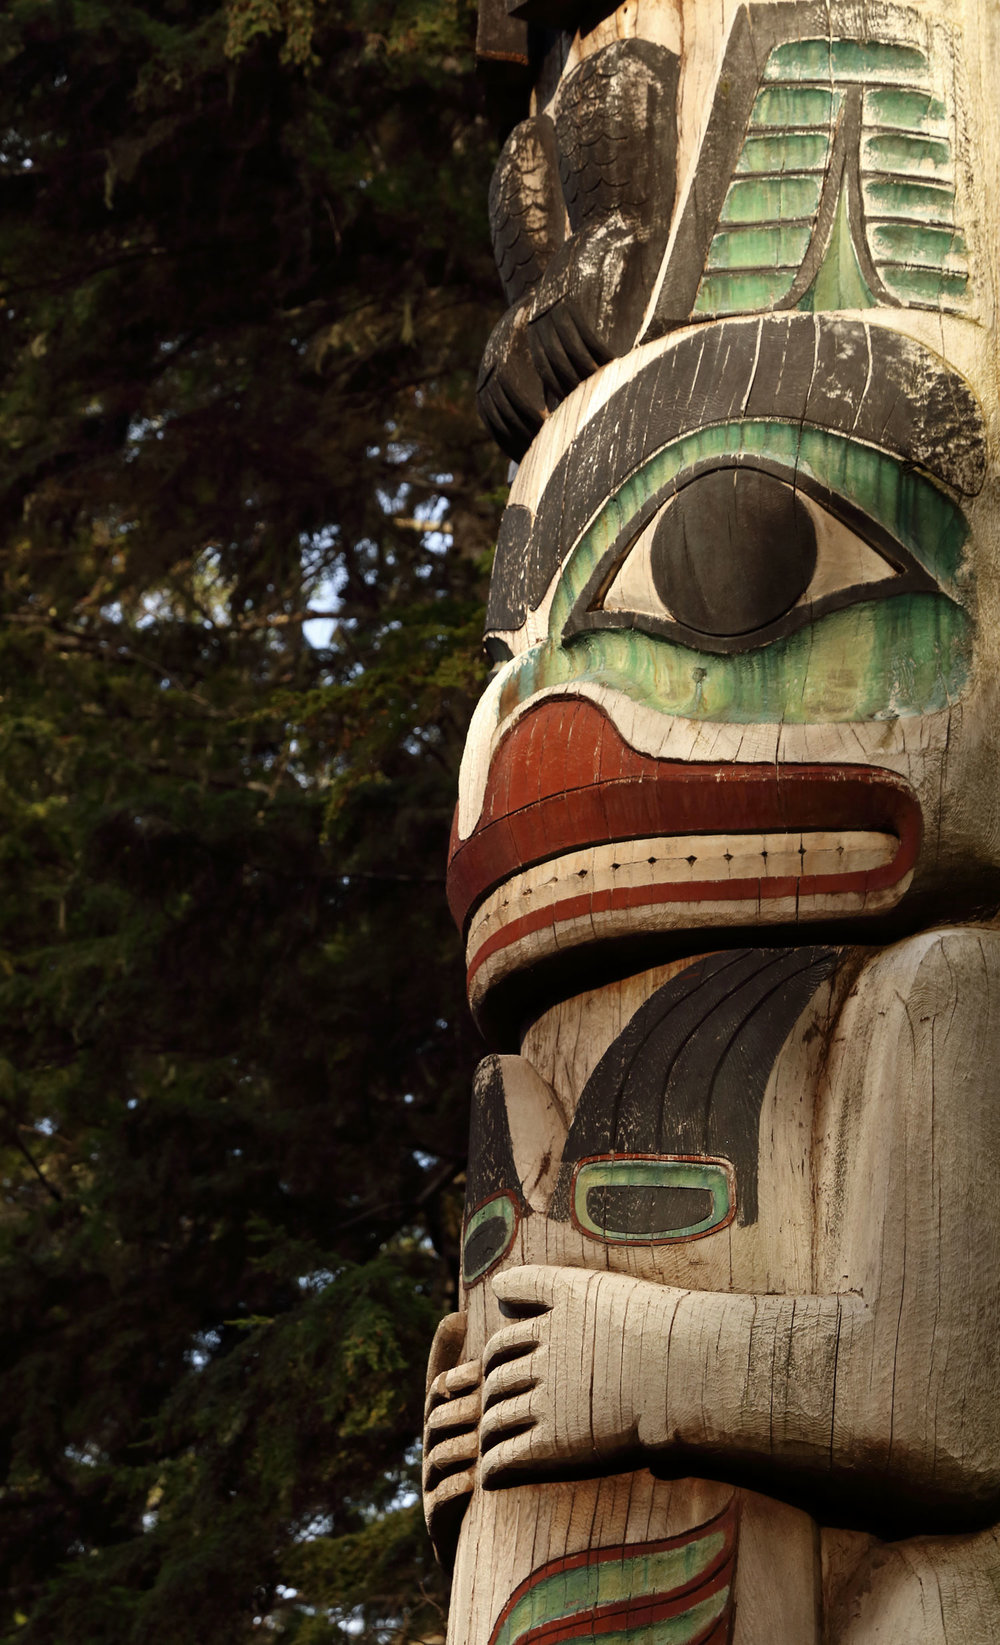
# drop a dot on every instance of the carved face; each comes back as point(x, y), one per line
point(743, 599)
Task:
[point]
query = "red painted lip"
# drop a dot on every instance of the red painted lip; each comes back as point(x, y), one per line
point(563, 778)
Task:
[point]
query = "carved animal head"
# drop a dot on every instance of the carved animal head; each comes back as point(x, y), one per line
point(744, 602)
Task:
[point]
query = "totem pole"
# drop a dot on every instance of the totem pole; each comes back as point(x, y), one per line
point(727, 849)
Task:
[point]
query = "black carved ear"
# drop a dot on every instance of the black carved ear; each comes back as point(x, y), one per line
point(494, 1203)
point(491, 1167)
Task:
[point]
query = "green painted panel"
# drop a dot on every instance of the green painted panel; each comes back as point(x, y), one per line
point(771, 248)
point(879, 660)
point(607, 1581)
point(905, 153)
point(927, 247)
point(895, 197)
point(668, 1630)
point(852, 60)
point(796, 106)
point(642, 1175)
point(771, 199)
point(895, 656)
point(742, 293)
point(839, 282)
point(931, 287)
point(883, 107)
point(785, 152)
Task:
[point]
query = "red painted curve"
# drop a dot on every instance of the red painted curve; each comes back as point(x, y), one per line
point(563, 778)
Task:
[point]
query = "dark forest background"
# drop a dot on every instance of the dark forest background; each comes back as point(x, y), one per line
point(246, 511)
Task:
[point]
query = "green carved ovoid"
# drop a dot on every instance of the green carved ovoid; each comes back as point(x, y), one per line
point(618, 1200)
point(896, 163)
point(849, 60)
point(882, 658)
point(488, 1234)
point(576, 1592)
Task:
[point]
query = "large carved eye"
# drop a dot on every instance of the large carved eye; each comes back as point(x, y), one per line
point(739, 556)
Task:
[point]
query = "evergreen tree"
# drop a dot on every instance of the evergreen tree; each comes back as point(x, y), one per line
point(245, 514)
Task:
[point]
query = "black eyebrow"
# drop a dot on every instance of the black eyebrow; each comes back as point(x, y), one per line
point(854, 378)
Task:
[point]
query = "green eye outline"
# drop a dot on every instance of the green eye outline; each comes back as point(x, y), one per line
point(906, 518)
point(713, 1175)
point(501, 1207)
point(903, 573)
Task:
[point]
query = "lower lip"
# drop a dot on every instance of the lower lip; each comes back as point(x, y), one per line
point(662, 884)
point(571, 863)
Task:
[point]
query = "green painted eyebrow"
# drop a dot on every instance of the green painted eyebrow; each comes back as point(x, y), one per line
point(908, 506)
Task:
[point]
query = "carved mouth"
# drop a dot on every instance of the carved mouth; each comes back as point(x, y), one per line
point(581, 838)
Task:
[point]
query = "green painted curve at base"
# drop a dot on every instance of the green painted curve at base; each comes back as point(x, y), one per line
point(576, 1591)
point(683, 1629)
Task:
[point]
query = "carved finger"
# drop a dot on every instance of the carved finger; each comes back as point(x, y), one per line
point(550, 360)
point(582, 347)
point(508, 429)
point(448, 1385)
point(525, 1292)
point(452, 1415)
point(518, 416)
point(444, 1510)
point(449, 1340)
point(451, 1487)
point(511, 1342)
point(512, 1376)
point(448, 1457)
point(518, 1454)
point(511, 1417)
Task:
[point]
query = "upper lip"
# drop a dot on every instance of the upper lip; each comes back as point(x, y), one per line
point(591, 788)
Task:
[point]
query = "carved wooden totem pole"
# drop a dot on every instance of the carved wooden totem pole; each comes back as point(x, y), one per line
point(727, 848)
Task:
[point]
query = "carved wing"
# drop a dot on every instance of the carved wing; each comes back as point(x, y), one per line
point(606, 112)
point(527, 218)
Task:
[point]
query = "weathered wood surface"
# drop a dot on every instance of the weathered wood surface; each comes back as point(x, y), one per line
point(726, 859)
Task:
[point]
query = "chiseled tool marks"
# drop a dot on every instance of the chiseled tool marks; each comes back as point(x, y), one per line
point(688, 1073)
point(674, 1592)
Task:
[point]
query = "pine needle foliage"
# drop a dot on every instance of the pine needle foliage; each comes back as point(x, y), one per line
point(245, 516)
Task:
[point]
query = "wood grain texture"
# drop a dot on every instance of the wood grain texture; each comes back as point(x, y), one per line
point(726, 857)
point(866, 1386)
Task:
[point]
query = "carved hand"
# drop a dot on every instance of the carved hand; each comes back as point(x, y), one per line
point(451, 1435)
point(565, 1383)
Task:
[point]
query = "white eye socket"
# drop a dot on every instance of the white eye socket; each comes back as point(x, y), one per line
point(740, 556)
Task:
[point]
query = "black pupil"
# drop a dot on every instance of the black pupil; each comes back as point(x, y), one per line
point(655, 1211)
point(733, 552)
point(483, 1245)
